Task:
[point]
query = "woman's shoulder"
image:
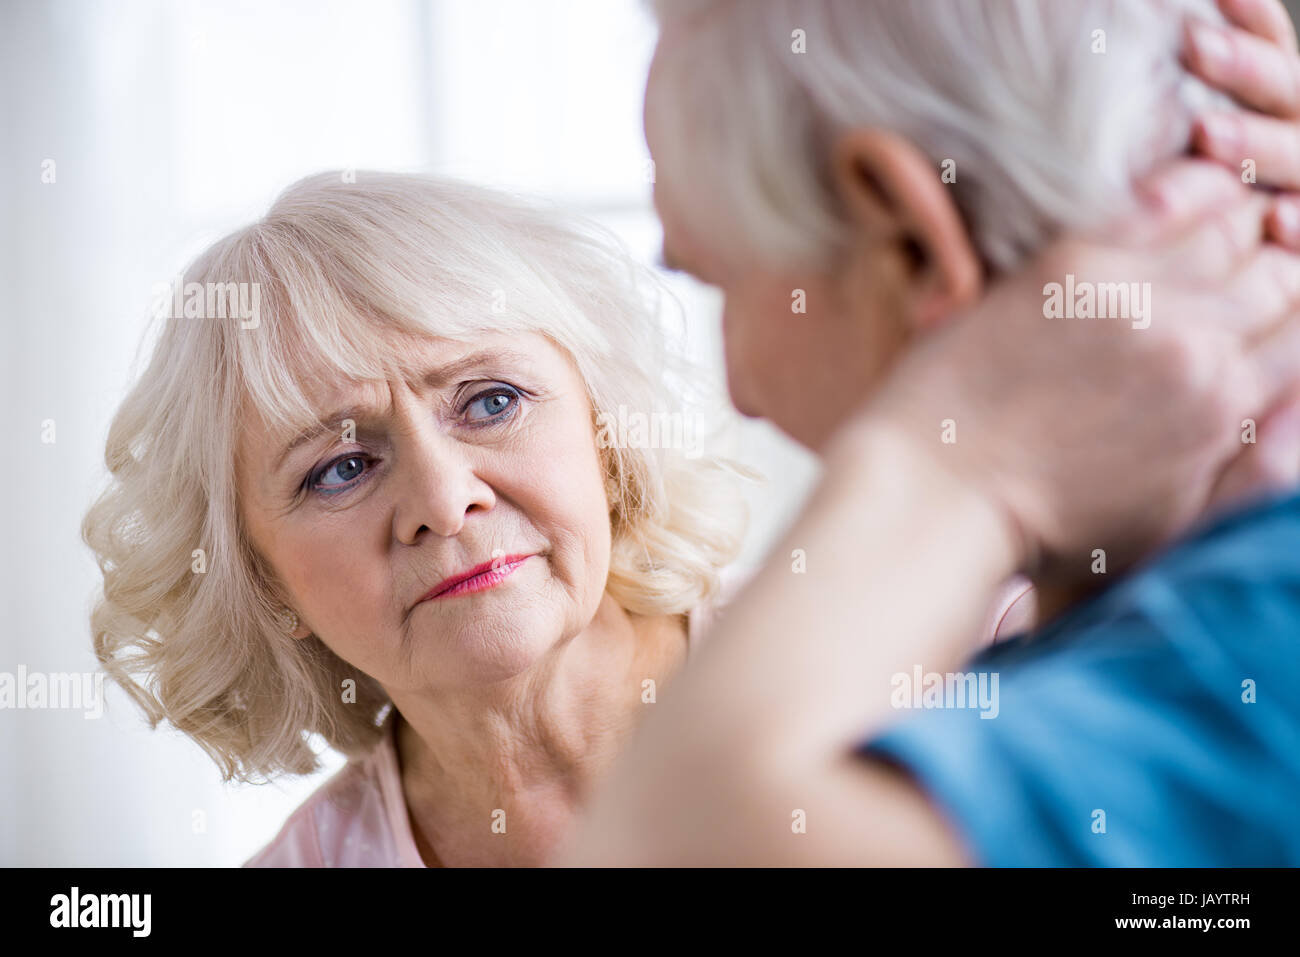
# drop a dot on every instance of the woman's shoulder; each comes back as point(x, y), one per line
point(347, 822)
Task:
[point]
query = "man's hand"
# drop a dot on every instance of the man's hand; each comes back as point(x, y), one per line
point(1112, 433)
point(1256, 62)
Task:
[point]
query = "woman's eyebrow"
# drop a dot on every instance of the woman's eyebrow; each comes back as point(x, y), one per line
point(439, 376)
point(433, 378)
point(330, 423)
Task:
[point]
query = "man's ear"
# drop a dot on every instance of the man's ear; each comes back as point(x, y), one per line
point(892, 193)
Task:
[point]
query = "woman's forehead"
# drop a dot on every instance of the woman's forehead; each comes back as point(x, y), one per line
point(424, 363)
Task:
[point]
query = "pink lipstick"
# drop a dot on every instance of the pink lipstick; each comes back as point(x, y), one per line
point(479, 578)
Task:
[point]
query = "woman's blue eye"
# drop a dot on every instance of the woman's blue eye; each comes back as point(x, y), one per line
point(496, 403)
point(347, 469)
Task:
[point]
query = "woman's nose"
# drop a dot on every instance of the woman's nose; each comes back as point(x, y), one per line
point(437, 487)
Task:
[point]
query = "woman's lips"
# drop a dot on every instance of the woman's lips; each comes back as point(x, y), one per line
point(485, 576)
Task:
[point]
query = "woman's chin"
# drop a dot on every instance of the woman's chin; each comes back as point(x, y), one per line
point(490, 654)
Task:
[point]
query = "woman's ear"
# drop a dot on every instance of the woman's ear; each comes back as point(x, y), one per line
point(278, 598)
point(891, 193)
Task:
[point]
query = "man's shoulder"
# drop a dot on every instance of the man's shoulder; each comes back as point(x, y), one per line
point(1174, 695)
point(1256, 544)
point(1238, 576)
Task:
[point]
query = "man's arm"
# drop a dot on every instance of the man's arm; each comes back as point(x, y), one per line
point(906, 540)
point(745, 754)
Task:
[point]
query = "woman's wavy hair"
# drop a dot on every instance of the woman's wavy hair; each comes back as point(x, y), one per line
point(345, 264)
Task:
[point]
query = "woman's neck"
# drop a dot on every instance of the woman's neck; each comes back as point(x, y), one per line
point(494, 776)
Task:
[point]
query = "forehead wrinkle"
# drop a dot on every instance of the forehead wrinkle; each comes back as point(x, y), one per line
point(432, 378)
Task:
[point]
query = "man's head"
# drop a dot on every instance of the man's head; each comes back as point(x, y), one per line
point(852, 172)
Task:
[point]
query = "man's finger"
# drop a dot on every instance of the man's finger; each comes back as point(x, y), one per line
point(1219, 245)
point(1276, 359)
point(1265, 148)
point(1264, 18)
point(1175, 197)
point(1282, 225)
point(1269, 464)
point(1268, 290)
point(1257, 73)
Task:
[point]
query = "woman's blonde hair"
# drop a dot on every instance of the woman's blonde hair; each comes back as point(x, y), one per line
point(340, 268)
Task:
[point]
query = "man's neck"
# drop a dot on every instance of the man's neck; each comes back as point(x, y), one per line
point(1053, 599)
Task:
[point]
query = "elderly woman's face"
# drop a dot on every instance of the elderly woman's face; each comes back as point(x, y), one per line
point(491, 459)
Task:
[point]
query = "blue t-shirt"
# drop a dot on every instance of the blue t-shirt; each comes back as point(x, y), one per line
point(1157, 724)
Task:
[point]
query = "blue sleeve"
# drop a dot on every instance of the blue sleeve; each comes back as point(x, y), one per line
point(1127, 742)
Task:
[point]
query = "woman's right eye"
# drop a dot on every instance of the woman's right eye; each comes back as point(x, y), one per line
point(345, 469)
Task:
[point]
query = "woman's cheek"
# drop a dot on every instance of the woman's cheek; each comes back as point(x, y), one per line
point(335, 580)
point(575, 521)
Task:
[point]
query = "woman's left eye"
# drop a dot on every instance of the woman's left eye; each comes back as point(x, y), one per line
point(496, 403)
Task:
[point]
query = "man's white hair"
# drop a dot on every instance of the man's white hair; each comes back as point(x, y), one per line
point(1047, 109)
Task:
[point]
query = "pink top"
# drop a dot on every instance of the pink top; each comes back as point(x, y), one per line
point(358, 818)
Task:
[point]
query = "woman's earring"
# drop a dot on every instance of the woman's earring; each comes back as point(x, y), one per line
point(290, 619)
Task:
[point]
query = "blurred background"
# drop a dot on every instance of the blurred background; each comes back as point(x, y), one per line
point(133, 133)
